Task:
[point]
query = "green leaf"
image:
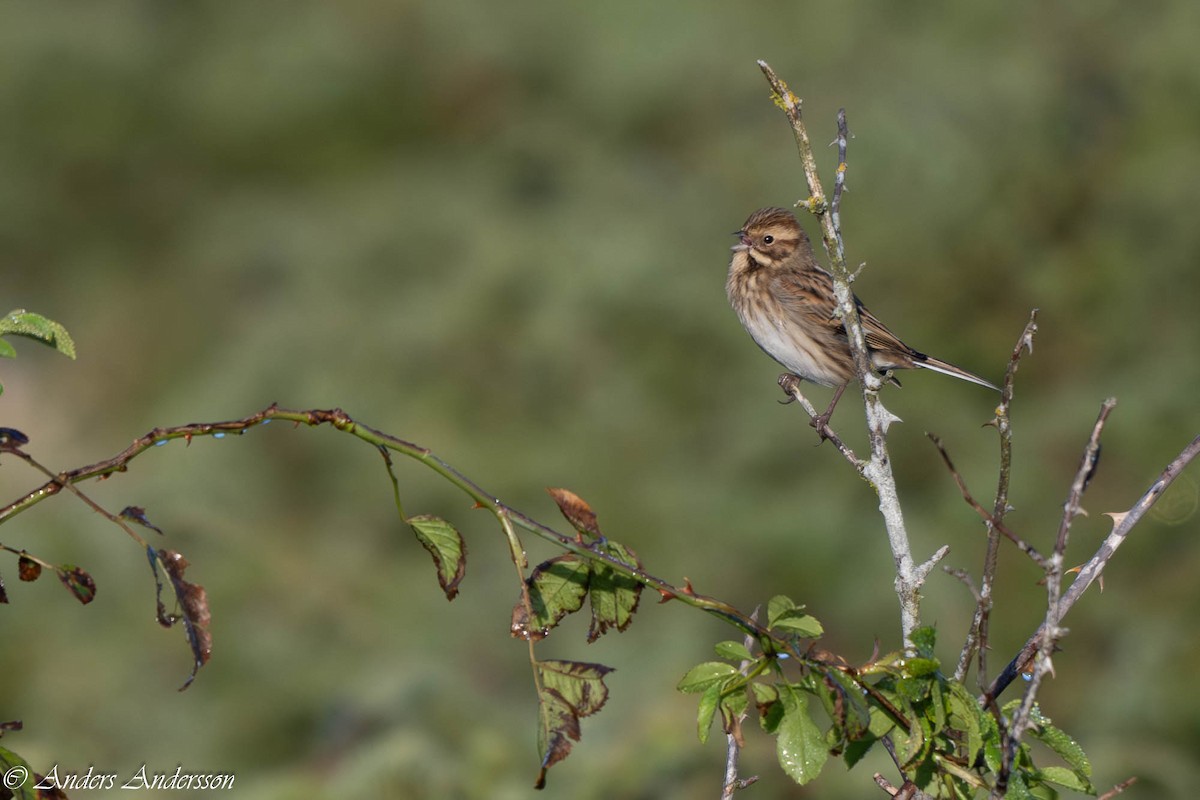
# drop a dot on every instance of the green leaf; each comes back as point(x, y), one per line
point(35, 326)
point(445, 544)
point(700, 677)
point(1063, 745)
point(614, 596)
point(1064, 777)
point(783, 614)
point(800, 746)
point(7, 350)
point(556, 588)
point(1017, 788)
point(965, 715)
point(579, 682)
point(708, 708)
point(734, 651)
point(923, 640)
point(800, 624)
point(919, 667)
point(779, 605)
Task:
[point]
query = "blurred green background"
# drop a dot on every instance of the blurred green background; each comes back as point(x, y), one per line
point(501, 231)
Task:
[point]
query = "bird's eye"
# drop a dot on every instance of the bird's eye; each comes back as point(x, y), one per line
point(768, 239)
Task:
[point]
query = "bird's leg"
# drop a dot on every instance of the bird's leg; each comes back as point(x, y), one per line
point(821, 421)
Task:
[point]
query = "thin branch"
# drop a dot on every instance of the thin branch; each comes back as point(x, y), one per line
point(733, 739)
point(839, 183)
point(977, 635)
point(878, 470)
point(1123, 523)
point(1118, 789)
point(992, 522)
point(791, 386)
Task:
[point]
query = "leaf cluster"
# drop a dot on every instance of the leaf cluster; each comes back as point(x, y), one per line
point(940, 737)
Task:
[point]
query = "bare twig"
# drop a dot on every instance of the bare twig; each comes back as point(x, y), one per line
point(791, 386)
point(1123, 523)
point(839, 183)
point(977, 635)
point(993, 523)
point(1118, 789)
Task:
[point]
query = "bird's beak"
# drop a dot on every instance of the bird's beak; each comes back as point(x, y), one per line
point(743, 241)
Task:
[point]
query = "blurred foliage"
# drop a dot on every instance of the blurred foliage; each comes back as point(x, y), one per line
point(501, 231)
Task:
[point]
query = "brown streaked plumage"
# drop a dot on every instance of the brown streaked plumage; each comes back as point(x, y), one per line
point(786, 303)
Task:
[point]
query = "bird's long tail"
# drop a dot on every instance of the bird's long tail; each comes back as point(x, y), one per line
point(946, 368)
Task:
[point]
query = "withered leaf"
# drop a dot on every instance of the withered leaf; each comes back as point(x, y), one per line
point(78, 581)
point(577, 512)
point(193, 605)
point(569, 691)
point(446, 545)
point(28, 569)
point(555, 588)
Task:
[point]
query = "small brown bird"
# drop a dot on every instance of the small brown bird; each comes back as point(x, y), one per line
point(786, 303)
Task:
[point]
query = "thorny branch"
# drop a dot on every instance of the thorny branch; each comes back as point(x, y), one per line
point(1050, 632)
point(1123, 523)
point(977, 636)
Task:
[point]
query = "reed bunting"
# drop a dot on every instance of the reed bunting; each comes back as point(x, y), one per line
point(786, 303)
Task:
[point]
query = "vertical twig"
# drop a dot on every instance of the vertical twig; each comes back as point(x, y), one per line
point(909, 575)
point(977, 636)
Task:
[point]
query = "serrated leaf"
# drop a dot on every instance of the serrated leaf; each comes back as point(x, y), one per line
point(733, 651)
point(577, 511)
point(613, 596)
point(446, 545)
point(78, 581)
point(555, 588)
point(799, 744)
point(1017, 788)
point(568, 691)
point(707, 710)
point(778, 606)
point(35, 326)
point(1061, 743)
point(702, 676)
point(579, 682)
